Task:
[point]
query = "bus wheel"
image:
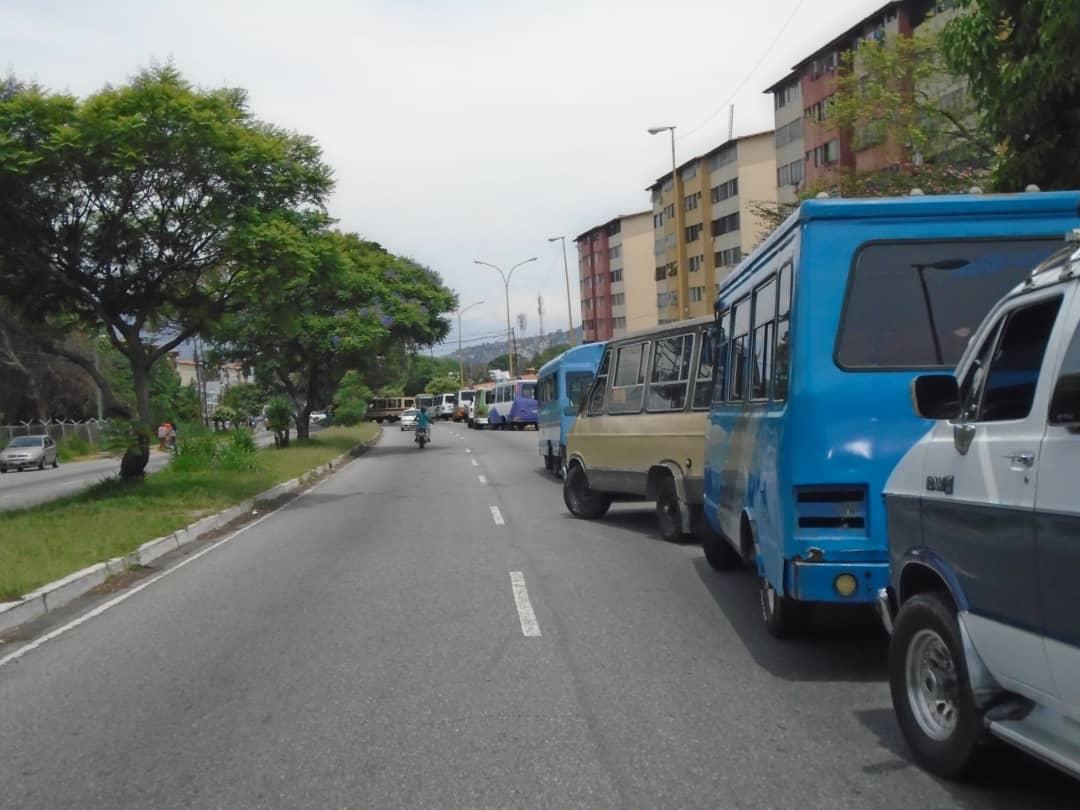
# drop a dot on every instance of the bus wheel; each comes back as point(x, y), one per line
point(582, 501)
point(668, 511)
point(784, 617)
point(718, 551)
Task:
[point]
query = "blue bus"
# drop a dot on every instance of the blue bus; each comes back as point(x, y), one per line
point(561, 386)
point(818, 335)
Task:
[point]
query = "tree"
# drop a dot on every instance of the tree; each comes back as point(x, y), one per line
point(246, 399)
point(1019, 57)
point(346, 301)
point(128, 211)
point(550, 353)
point(502, 362)
point(351, 399)
point(443, 385)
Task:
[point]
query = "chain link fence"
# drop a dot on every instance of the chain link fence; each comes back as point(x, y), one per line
point(89, 430)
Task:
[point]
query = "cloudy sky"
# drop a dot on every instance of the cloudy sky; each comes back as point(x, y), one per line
point(459, 130)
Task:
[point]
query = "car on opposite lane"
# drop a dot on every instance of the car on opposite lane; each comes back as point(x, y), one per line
point(409, 418)
point(28, 451)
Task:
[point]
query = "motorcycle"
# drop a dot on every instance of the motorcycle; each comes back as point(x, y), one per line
point(423, 436)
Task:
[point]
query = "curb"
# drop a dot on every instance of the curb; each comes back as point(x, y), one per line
point(60, 592)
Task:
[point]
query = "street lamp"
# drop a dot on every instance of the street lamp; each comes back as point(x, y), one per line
point(566, 271)
point(506, 284)
point(680, 244)
point(461, 354)
point(943, 264)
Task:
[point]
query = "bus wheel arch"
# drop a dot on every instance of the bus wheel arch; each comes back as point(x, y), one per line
point(748, 539)
point(665, 485)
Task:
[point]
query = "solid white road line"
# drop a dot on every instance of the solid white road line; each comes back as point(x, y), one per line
point(473, 460)
point(496, 515)
point(483, 480)
point(529, 625)
point(59, 631)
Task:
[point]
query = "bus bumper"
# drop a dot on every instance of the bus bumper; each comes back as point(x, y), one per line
point(843, 583)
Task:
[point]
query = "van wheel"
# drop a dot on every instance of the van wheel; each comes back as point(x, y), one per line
point(668, 513)
point(718, 551)
point(931, 692)
point(580, 499)
point(784, 617)
point(549, 461)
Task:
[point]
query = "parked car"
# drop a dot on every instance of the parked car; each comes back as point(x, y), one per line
point(318, 417)
point(28, 451)
point(984, 536)
point(409, 418)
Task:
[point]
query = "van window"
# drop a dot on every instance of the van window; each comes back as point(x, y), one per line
point(628, 386)
point(740, 329)
point(703, 379)
point(528, 390)
point(1065, 404)
point(782, 353)
point(547, 388)
point(1009, 386)
point(915, 304)
point(599, 389)
point(670, 373)
point(577, 384)
point(762, 346)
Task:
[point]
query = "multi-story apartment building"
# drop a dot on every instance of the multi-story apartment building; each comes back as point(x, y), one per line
point(790, 162)
point(615, 265)
point(719, 223)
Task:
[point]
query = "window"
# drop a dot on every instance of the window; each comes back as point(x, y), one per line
point(618, 299)
point(1008, 388)
point(790, 132)
point(658, 220)
point(547, 389)
point(618, 323)
point(703, 380)
point(616, 275)
point(782, 354)
point(790, 174)
point(693, 232)
point(669, 212)
point(670, 373)
point(615, 252)
point(696, 263)
point(740, 329)
point(688, 173)
point(1063, 404)
point(723, 156)
point(661, 272)
point(628, 386)
point(787, 94)
point(725, 190)
point(697, 293)
point(613, 227)
point(577, 386)
point(599, 389)
point(937, 294)
point(528, 391)
point(691, 201)
point(761, 345)
point(728, 258)
point(725, 224)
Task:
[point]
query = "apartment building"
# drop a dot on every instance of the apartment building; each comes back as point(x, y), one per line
point(615, 267)
point(716, 192)
point(802, 102)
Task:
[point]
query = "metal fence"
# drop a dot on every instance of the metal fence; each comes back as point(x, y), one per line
point(90, 430)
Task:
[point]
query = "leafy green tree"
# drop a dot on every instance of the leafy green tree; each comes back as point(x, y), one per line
point(1019, 57)
point(278, 419)
point(133, 212)
point(502, 363)
point(351, 400)
point(443, 385)
point(247, 399)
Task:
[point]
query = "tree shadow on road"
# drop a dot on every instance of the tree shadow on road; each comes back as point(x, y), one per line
point(843, 644)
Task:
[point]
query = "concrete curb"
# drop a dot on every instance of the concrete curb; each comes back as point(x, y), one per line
point(62, 591)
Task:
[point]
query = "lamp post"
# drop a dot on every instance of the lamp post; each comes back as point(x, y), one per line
point(506, 285)
point(683, 283)
point(944, 264)
point(461, 354)
point(566, 271)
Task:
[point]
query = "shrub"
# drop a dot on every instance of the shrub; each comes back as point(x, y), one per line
point(71, 447)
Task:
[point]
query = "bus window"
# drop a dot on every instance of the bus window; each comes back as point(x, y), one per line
point(599, 389)
point(628, 387)
point(740, 329)
point(707, 357)
point(761, 347)
point(546, 389)
point(670, 373)
point(528, 390)
point(782, 358)
point(577, 385)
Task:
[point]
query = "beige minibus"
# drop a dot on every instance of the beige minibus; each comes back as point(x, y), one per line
point(640, 434)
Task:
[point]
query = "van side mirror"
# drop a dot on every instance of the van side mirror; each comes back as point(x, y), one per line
point(936, 396)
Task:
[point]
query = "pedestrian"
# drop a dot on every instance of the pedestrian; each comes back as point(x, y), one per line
point(162, 434)
point(172, 438)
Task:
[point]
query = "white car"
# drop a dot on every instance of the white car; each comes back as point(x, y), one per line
point(409, 418)
point(317, 417)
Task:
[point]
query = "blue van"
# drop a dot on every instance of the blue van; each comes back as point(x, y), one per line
point(818, 334)
point(561, 387)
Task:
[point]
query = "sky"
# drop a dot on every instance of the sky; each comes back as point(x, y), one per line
point(464, 130)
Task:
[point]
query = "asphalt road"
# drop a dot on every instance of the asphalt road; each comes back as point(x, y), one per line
point(20, 490)
point(366, 646)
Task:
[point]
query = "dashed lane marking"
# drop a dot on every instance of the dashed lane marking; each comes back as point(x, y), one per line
point(496, 515)
point(482, 479)
point(529, 626)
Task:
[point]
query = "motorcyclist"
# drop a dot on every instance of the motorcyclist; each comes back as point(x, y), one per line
point(423, 422)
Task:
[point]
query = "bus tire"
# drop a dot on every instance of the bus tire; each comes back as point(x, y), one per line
point(668, 510)
point(784, 617)
point(718, 551)
point(582, 501)
point(549, 461)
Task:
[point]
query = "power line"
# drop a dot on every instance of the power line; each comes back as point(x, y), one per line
point(748, 76)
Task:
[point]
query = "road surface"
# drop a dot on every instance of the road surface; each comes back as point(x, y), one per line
point(431, 629)
point(20, 490)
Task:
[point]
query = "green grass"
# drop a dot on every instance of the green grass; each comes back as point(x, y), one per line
point(47, 542)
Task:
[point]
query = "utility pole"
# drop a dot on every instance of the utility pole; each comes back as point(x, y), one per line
point(460, 351)
point(540, 316)
point(566, 273)
point(506, 285)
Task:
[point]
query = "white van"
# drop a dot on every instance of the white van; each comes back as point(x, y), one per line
point(984, 531)
point(443, 406)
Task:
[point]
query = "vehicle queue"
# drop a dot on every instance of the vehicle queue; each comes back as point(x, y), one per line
point(770, 432)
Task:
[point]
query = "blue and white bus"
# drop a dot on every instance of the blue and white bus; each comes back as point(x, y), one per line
point(513, 405)
point(819, 333)
point(561, 385)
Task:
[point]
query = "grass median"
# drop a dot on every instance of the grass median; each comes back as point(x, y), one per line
point(47, 542)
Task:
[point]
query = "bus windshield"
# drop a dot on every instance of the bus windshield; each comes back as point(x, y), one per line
point(528, 390)
point(577, 386)
point(916, 304)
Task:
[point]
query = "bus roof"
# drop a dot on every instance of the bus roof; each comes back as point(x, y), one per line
point(586, 353)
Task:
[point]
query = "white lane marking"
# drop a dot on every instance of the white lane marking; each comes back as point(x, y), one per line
point(496, 515)
point(468, 449)
point(59, 631)
point(474, 462)
point(483, 480)
point(529, 625)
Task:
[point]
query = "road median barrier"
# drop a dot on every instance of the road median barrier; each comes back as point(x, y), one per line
point(65, 590)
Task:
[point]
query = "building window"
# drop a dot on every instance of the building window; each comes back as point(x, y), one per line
point(723, 156)
point(725, 190)
point(658, 220)
point(790, 174)
point(618, 299)
point(613, 227)
point(827, 153)
point(693, 232)
point(688, 173)
point(618, 323)
point(789, 133)
point(725, 224)
point(787, 94)
point(729, 257)
point(697, 293)
point(691, 201)
point(615, 252)
point(661, 272)
point(669, 211)
point(696, 263)
point(616, 275)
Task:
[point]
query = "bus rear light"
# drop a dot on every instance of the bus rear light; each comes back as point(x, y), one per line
point(831, 508)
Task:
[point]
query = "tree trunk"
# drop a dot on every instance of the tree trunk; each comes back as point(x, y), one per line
point(137, 455)
point(303, 424)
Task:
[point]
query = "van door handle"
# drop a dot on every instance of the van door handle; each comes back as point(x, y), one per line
point(1022, 460)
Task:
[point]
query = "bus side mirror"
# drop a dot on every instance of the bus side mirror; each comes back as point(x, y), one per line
point(936, 396)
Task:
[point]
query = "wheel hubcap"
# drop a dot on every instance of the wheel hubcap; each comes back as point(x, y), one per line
point(932, 688)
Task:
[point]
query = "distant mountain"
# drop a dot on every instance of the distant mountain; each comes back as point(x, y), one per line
point(483, 353)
